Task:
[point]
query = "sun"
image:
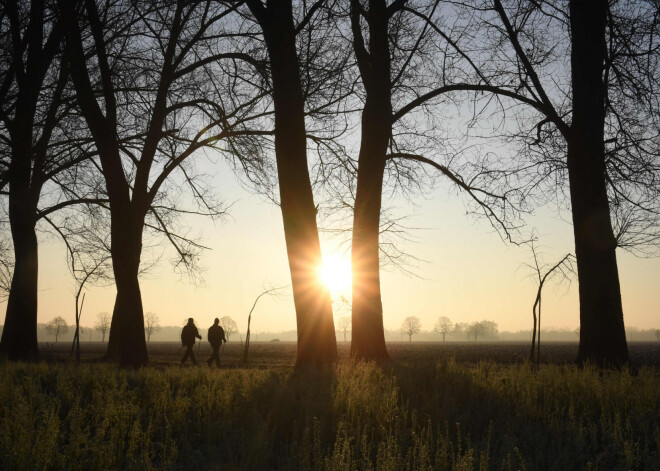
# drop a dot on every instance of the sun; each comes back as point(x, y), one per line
point(336, 272)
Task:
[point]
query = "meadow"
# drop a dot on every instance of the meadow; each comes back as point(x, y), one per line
point(428, 409)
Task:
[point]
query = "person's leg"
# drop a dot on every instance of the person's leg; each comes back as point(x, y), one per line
point(216, 355)
point(187, 354)
point(192, 355)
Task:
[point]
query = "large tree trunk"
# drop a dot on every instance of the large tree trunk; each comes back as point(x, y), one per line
point(368, 338)
point(316, 333)
point(127, 340)
point(602, 333)
point(19, 337)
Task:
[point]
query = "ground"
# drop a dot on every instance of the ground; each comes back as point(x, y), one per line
point(283, 354)
point(454, 406)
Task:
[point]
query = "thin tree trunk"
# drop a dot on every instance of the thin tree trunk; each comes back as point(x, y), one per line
point(317, 344)
point(538, 336)
point(602, 332)
point(536, 303)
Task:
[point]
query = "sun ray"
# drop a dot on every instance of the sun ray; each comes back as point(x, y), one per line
point(335, 273)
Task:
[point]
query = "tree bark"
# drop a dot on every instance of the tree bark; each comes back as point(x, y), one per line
point(19, 336)
point(317, 343)
point(127, 340)
point(368, 337)
point(602, 332)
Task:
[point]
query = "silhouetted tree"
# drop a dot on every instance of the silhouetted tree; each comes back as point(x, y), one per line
point(57, 327)
point(411, 326)
point(563, 269)
point(102, 324)
point(159, 101)
point(476, 329)
point(39, 144)
point(266, 292)
point(151, 324)
point(443, 326)
point(395, 64)
point(592, 128)
point(316, 334)
point(490, 329)
point(344, 324)
point(461, 328)
point(229, 326)
point(6, 268)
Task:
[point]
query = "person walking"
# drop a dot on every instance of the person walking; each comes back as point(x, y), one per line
point(188, 335)
point(216, 338)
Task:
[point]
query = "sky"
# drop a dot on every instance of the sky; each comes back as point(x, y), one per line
point(467, 273)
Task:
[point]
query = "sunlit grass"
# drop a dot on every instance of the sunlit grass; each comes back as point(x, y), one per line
point(430, 417)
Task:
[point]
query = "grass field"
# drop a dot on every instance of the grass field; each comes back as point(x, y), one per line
point(283, 354)
point(435, 407)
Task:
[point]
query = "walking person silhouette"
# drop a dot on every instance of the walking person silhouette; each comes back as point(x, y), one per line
point(188, 335)
point(216, 338)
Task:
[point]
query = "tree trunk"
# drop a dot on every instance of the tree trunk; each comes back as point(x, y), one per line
point(19, 336)
point(317, 343)
point(127, 340)
point(368, 338)
point(602, 333)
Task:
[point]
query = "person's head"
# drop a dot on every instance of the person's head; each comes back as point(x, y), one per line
point(191, 320)
point(216, 321)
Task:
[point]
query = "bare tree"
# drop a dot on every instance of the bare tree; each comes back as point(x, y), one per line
point(228, 325)
point(6, 268)
point(592, 130)
point(411, 326)
point(57, 327)
point(151, 324)
point(102, 324)
point(490, 329)
point(444, 326)
point(344, 325)
point(461, 328)
point(267, 292)
point(395, 64)
point(476, 329)
point(293, 80)
point(39, 147)
point(145, 133)
point(88, 257)
point(562, 269)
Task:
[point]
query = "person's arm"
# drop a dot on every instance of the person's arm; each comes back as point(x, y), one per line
point(197, 334)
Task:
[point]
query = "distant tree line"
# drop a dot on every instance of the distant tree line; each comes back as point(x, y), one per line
point(107, 106)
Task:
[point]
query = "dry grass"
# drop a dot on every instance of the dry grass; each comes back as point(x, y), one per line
point(414, 414)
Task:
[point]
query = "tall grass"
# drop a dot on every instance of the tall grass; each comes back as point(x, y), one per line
point(446, 416)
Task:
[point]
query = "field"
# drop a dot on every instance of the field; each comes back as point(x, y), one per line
point(283, 354)
point(435, 407)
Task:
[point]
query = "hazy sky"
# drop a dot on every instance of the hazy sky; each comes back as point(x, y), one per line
point(468, 274)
